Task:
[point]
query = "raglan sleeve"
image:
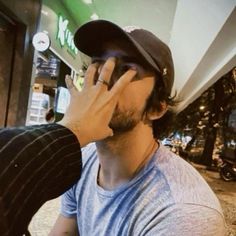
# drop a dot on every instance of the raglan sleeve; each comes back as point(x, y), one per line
point(188, 220)
point(68, 203)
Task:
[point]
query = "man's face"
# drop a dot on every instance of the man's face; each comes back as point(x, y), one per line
point(132, 102)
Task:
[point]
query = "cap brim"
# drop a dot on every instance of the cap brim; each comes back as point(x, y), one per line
point(91, 37)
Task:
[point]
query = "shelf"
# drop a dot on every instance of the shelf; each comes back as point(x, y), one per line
point(48, 82)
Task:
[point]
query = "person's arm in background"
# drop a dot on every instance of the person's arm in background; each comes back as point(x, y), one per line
point(38, 163)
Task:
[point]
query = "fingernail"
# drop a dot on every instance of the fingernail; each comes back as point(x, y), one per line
point(133, 68)
point(112, 59)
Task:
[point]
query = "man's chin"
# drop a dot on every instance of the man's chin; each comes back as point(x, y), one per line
point(122, 122)
point(122, 128)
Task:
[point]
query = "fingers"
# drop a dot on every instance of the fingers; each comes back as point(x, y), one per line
point(106, 73)
point(70, 85)
point(90, 74)
point(123, 82)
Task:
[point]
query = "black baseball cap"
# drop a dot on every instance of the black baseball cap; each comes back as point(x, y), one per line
point(91, 36)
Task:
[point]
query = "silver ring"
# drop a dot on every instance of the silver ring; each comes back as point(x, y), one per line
point(103, 82)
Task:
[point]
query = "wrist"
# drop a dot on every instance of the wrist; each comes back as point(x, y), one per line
point(75, 130)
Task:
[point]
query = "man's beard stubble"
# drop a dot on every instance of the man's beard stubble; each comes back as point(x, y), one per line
point(124, 121)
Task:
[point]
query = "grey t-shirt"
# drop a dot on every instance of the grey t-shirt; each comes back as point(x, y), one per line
point(167, 197)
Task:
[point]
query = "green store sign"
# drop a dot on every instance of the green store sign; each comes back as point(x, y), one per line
point(64, 35)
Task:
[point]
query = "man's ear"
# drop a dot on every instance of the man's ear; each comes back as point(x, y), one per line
point(154, 115)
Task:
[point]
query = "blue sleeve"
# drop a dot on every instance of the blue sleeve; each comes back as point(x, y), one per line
point(187, 220)
point(69, 203)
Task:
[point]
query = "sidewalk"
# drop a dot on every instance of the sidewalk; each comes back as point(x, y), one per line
point(226, 193)
point(45, 218)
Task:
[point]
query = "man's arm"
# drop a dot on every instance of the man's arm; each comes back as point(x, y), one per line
point(65, 226)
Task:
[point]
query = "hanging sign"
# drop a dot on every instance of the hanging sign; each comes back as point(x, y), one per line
point(64, 35)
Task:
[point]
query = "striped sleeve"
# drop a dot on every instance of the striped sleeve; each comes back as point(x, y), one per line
point(37, 163)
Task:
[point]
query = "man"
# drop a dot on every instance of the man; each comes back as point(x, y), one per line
point(38, 163)
point(131, 184)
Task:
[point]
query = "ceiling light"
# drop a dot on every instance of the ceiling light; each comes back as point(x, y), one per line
point(44, 12)
point(88, 1)
point(201, 126)
point(94, 16)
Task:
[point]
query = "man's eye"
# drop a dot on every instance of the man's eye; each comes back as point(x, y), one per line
point(100, 63)
point(97, 60)
point(132, 65)
point(125, 68)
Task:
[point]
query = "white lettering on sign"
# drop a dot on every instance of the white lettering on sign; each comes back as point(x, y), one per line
point(64, 35)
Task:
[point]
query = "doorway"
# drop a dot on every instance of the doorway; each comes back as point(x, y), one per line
point(7, 44)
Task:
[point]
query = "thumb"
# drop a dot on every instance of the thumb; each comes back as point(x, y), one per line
point(70, 85)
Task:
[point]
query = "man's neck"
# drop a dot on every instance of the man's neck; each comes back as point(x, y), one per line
point(122, 156)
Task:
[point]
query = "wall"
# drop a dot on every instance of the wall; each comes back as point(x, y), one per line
point(25, 15)
point(200, 54)
point(50, 23)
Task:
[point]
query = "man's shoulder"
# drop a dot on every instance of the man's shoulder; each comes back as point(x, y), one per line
point(186, 184)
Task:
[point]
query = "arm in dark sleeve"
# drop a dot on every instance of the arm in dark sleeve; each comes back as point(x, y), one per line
point(37, 163)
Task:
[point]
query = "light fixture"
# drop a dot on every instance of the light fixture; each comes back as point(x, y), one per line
point(94, 16)
point(201, 126)
point(202, 107)
point(41, 41)
point(44, 12)
point(88, 1)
